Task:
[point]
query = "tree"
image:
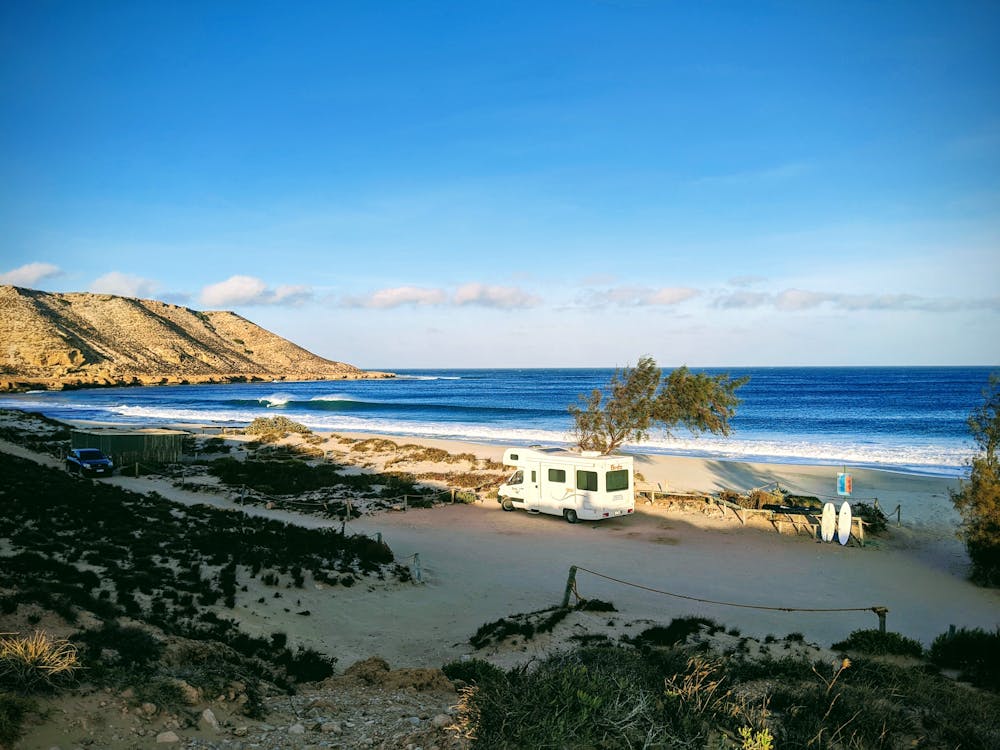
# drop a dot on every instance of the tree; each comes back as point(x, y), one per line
point(978, 499)
point(635, 403)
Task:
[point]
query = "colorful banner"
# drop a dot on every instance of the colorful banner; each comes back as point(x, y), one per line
point(844, 485)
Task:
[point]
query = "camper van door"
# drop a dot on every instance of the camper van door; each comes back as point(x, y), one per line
point(557, 487)
point(586, 489)
point(531, 486)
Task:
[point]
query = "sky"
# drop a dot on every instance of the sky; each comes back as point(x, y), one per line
point(519, 184)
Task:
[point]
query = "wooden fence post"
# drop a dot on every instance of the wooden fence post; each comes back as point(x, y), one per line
point(570, 586)
point(881, 612)
point(417, 573)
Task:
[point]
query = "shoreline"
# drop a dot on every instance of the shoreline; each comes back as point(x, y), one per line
point(480, 563)
point(924, 501)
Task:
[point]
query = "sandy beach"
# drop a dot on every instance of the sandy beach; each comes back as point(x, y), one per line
point(479, 563)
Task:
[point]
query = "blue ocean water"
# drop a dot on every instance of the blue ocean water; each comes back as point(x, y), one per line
point(905, 418)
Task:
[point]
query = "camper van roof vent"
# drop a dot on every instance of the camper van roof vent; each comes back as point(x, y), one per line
point(590, 454)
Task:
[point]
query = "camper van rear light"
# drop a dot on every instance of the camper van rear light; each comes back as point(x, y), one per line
point(606, 515)
point(630, 510)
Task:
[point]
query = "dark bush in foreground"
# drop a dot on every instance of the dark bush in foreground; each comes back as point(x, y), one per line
point(474, 671)
point(133, 647)
point(617, 697)
point(877, 643)
point(676, 632)
point(13, 711)
point(975, 652)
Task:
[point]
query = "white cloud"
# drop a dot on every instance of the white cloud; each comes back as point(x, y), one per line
point(30, 274)
point(123, 284)
point(288, 294)
point(483, 295)
point(743, 300)
point(797, 300)
point(399, 296)
point(249, 290)
point(645, 296)
point(504, 297)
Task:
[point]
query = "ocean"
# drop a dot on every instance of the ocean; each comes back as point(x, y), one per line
point(902, 418)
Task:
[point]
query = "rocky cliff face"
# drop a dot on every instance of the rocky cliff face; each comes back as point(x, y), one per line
point(78, 340)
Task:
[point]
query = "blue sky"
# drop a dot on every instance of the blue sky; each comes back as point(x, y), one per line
point(400, 184)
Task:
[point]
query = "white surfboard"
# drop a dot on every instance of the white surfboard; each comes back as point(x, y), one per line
point(828, 526)
point(844, 524)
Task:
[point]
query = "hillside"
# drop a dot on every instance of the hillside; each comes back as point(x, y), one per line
point(77, 340)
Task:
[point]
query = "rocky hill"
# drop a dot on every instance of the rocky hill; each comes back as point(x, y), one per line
point(77, 340)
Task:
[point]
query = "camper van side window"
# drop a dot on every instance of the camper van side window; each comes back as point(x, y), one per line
point(586, 480)
point(513, 457)
point(557, 475)
point(617, 480)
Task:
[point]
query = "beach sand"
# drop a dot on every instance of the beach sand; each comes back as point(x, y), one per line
point(480, 563)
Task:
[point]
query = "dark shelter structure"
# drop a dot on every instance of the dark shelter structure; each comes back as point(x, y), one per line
point(131, 446)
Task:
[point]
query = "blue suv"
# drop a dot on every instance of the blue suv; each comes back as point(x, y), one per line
point(89, 462)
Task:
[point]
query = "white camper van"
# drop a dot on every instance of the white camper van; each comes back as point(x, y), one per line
point(585, 486)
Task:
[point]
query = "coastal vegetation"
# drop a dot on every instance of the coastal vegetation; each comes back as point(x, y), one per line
point(669, 687)
point(640, 399)
point(151, 588)
point(978, 498)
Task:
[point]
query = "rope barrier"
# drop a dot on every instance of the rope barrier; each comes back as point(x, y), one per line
point(874, 608)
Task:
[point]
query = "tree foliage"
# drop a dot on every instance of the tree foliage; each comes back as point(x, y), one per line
point(978, 498)
point(639, 399)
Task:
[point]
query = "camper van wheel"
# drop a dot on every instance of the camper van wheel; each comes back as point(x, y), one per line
point(507, 504)
point(570, 515)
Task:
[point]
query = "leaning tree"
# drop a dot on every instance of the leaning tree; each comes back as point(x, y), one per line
point(640, 399)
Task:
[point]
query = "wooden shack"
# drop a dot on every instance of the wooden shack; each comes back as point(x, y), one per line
point(130, 446)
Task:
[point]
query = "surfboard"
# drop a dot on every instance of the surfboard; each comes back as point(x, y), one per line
point(829, 524)
point(844, 524)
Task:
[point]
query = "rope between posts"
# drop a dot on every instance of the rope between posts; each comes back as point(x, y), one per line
point(724, 604)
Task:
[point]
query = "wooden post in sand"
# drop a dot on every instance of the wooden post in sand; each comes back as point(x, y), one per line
point(452, 495)
point(417, 573)
point(881, 612)
point(570, 586)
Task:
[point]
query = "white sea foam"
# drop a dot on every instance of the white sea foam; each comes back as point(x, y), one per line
point(427, 377)
point(344, 397)
point(276, 399)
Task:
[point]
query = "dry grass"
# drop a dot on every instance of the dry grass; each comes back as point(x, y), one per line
point(30, 662)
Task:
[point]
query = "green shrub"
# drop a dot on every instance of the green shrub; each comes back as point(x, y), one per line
point(978, 498)
point(524, 625)
point(13, 711)
point(975, 652)
point(878, 643)
point(676, 632)
point(473, 671)
point(272, 425)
